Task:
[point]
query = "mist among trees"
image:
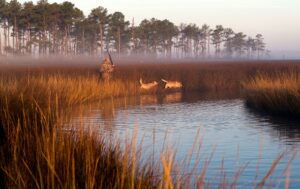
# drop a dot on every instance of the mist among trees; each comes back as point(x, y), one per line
point(44, 29)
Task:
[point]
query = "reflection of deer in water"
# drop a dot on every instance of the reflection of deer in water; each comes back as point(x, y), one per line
point(148, 99)
point(148, 86)
point(172, 84)
point(173, 97)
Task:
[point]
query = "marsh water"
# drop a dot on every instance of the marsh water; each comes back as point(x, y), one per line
point(222, 126)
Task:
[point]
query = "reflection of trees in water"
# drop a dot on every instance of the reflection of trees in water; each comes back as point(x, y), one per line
point(283, 127)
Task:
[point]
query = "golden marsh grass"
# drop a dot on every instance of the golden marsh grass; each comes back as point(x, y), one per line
point(36, 151)
point(279, 94)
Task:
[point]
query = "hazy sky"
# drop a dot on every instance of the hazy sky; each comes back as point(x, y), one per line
point(277, 20)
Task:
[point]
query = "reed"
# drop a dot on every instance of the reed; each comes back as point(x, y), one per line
point(204, 76)
point(38, 152)
point(201, 76)
point(278, 94)
point(69, 90)
point(52, 157)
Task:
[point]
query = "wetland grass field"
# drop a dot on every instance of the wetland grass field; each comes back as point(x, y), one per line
point(36, 152)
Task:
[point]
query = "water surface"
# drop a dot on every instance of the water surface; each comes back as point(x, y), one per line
point(224, 126)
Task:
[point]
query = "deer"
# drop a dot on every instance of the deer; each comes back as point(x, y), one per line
point(148, 86)
point(172, 84)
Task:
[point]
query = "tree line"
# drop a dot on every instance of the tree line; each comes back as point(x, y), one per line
point(62, 29)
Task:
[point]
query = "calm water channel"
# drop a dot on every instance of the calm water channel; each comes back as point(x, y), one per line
point(225, 126)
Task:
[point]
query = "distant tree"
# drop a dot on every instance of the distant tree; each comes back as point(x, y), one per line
point(41, 15)
point(250, 47)
point(45, 28)
point(217, 38)
point(14, 8)
point(238, 43)
point(204, 36)
point(190, 34)
point(25, 27)
point(146, 32)
point(180, 44)
point(2, 22)
point(100, 18)
point(133, 38)
point(119, 32)
point(54, 26)
point(229, 42)
point(167, 31)
point(259, 45)
point(66, 22)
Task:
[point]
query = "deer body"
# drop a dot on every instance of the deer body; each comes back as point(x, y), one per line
point(172, 84)
point(148, 86)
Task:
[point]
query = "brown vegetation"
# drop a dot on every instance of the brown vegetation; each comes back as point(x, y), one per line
point(36, 151)
point(278, 94)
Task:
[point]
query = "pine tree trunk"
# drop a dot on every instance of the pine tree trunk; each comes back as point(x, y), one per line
point(5, 37)
point(8, 41)
point(29, 46)
point(65, 42)
point(44, 35)
point(119, 41)
point(17, 35)
point(133, 37)
point(82, 43)
point(54, 42)
point(0, 42)
point(208, 46)
point(101, 38)
point(68, 40)
point(23, 42)
point(40, 45)
point(14, 35)
point(49, 42)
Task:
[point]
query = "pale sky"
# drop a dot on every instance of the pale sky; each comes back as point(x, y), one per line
point(277, 20)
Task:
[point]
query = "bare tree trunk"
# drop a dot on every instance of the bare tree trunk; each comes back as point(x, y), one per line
point(75, 46)
point(40, 45)
point(44, 35)
point(49, 42)
point(23, 42)
point(29, 45)
point(133, 37)
point(8, 41)
point(68, 41)
point(92, 48)
point(147, 47)
point(15, 36)
point(101, 38)
point(5, 36)
point(54, 44)
point(119, 41)
point(83, 43)
point(0, 42)
point(65, 42)
point(26, 35)
point(208, 46)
